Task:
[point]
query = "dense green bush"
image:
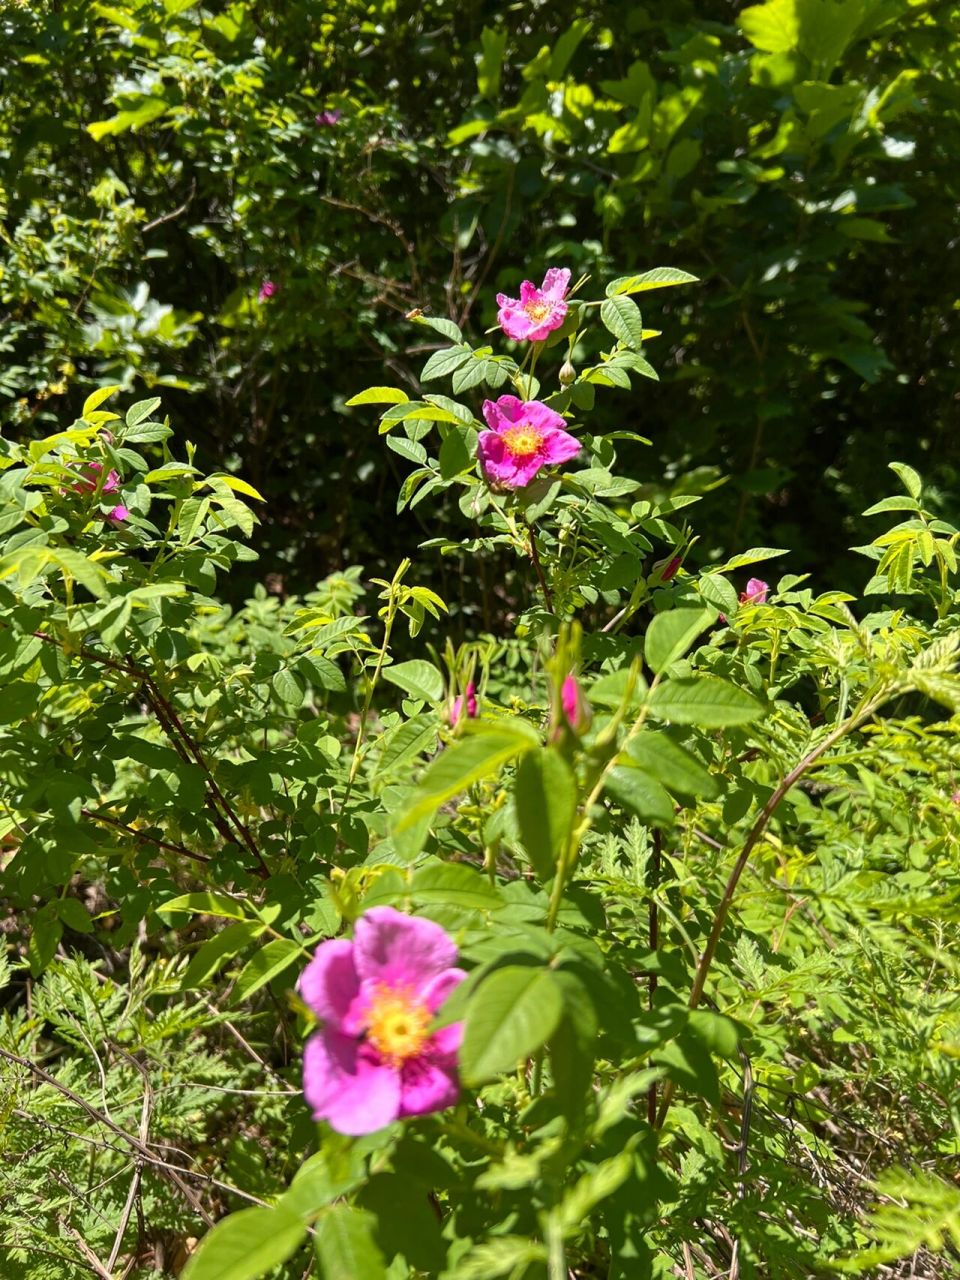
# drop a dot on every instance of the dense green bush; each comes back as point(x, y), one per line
point(700, 866)
point(159, 162)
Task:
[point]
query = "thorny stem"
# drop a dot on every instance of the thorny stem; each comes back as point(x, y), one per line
point(538, 569)
point(182, 742)
point(866, 709)
point(654, 940)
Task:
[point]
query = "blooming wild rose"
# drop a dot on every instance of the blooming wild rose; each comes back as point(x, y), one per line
point(524, 436)
point(267, 290)
point(756, 592)
point(326, 119)
point(537, 312)
point(374, 1059)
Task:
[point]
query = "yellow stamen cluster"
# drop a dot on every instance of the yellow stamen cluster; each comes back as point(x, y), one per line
point(537, 311)
point(523, 440)
point(397, 1025)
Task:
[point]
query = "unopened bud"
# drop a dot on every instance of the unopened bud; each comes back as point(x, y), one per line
point(568, 374)
point(576, 709)
point(666, 569)
point(465, 704)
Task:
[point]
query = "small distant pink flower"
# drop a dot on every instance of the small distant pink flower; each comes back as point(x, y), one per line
point(90, 478)
point(955, 798)
point(267, 290)
point(524, 436)
point(119, 514)
point(575, 706)
point(756, 592)
point(465, 704)
point(328, 118)
point(374, 1058)
point(537, 312)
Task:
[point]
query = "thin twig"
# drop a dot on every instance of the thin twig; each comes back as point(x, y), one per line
point(864, 712)
point(538, 569)
point(142, 837)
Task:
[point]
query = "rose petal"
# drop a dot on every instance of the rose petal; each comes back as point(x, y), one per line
point(556, 283)
point(330, 985)
point(558, 446)
point(399, 950)
point(353, 1092)
point(542, 416)
point(427, 1086)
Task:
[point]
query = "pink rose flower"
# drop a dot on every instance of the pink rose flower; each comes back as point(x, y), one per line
point(537, 312)
point(90, 478)
point(119, 514)
point(328, 118)
point(524, 436)
point(575, 706)
point(374, 1059)
point(465, 704)
point(756, 592)
point(267, 290)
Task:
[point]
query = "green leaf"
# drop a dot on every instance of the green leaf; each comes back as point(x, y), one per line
point(658, 278)
point(246, 1245)
point(379, 395)
point(672, 633)
point(773, 27)
point(636, 790)
point(622, 317)
point(418, 678)
point(45, 935)
point(96, 398)
point(288, 688)
point(672, 765)
point(140, 411)
point(911, 480)
point(489, 64)
point(753, 556)
point(440, 325)
point(704, 700)
point(512, 1013)
point(265, 966)
point(346, 1249)
point(223, 946)
point(438, 884)
point(485, 750)
point(445, 362)
point(204, 904)
point(545, 794)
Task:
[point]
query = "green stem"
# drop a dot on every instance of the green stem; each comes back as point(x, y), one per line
point(567, 861)
point(868, 707)
point(556, 1253)
point(392, 606)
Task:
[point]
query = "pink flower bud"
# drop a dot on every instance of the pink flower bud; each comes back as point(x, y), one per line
point(756, 592)
point(267, 290)
point(575, 706)
point(465, 704)
point(118, 515)
point(667, 569)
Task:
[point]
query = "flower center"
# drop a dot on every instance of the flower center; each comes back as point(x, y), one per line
point(397, 1025)
point(522, 440)
point(537, 311)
